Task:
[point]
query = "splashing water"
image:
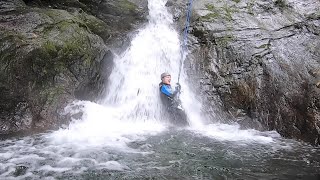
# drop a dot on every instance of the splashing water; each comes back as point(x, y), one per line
point(132, 104)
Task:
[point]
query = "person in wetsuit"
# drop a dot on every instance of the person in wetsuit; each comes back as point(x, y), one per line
point(170, 98)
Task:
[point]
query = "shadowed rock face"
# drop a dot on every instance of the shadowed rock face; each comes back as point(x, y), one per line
point(51, 54)
point(260, 60)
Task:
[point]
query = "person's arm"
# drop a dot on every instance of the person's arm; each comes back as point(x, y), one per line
point(166, 90)
point(177, 89)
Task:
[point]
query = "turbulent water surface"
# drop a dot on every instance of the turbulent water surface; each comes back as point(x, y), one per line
point(124, 136)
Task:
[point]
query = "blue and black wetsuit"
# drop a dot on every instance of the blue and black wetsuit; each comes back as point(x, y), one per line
point(167, 95)
point(172, 102)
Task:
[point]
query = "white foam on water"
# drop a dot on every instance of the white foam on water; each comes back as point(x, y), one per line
point(100, 126)
point(55, 169)
point(113, 165)
point(227, 132)
point(26, 158)
point(6, 155)
point(68, 162)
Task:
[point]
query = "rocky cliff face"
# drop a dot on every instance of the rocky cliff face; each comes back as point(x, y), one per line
point(260, 60)
point(52, 52)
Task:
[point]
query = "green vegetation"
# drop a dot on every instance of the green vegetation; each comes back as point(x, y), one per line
point(127, 5)
point(69, 46)
point(211, 7)
point(228, 11)
point(225, 40)
point(50, 47)
point(224, 12)
point(96, 25)
point(210, 16)
point(50, 93)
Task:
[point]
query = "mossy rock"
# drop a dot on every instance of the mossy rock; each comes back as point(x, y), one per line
point(224, 41)
point(127, 5)
point(223, 13)
point(96, 25)
point(43, 63)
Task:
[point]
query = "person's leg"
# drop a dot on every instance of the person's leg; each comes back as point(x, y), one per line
point(179, 117)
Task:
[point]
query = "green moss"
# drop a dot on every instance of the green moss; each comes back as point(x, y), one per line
point(211, 7)
point(236, 1)
point(225, 40)
point(55, 56)
point(127, 5)
point(225, 12)
point(50, 93)
point(95, 25)
point(210, 16)
point(228, 11)
point(57, 15)
point(214, 13)
point(50, 47)
point(8, 49)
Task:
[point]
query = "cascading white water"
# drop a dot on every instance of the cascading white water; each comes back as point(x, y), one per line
point(131, 106)
point(132, 102)
point(135, 78)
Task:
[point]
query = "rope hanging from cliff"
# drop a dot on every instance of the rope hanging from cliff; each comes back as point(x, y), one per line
point(185, 36)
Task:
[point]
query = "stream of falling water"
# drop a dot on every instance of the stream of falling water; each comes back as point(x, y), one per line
point(124, 135)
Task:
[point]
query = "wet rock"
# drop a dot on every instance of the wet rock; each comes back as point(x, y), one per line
point(119, 18)
point(53, 52)
point(45, 55)
point(20, 170)
point(112, 20)
point(262, 58)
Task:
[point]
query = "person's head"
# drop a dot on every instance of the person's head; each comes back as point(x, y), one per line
point(166, 78)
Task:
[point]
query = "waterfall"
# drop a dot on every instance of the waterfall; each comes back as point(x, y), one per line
point(132, 104)
point(133, 86)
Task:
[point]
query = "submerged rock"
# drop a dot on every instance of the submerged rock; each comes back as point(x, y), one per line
point(260, 58)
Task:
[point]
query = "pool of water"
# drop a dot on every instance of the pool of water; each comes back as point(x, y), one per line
point(171, 154)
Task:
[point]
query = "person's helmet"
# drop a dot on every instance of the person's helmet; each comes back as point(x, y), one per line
point(164, 75)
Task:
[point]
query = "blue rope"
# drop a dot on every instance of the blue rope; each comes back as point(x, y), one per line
point(184, 45)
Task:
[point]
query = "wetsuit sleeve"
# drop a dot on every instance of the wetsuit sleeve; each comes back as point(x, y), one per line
point(166, 90)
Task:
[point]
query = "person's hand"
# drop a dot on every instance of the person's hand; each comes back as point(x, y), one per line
point(178, 87)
